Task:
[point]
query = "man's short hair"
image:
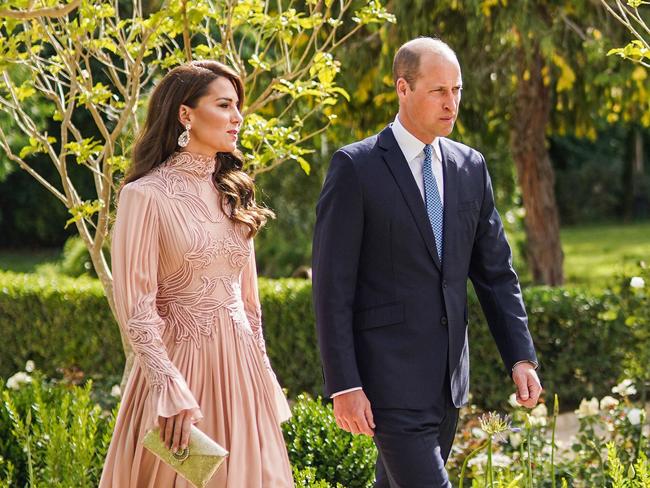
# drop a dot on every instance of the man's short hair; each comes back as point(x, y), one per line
point(406, 63)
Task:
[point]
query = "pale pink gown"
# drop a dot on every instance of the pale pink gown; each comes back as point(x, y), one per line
point(185, 288)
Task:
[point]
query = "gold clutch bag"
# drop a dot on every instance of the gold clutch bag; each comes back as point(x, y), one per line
point(197, 464)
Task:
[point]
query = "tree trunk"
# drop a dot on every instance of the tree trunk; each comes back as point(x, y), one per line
point(535, 173)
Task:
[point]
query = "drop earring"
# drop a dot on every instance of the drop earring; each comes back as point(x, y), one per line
point(184, 138)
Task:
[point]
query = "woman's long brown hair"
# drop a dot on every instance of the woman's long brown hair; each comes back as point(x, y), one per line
point(185, 85)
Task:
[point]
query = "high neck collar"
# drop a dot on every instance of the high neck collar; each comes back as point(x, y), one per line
point(197, 164)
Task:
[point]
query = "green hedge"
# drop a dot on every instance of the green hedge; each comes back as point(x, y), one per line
point(67, 323)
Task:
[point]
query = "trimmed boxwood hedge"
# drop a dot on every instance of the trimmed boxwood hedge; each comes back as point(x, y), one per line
point(65, 323)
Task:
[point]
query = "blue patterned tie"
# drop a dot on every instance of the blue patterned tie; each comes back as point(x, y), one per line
point(432, 199)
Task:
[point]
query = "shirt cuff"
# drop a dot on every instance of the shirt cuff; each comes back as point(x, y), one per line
point(533, 363)
point(345, 391)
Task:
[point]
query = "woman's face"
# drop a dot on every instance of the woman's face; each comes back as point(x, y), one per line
point(215, 120)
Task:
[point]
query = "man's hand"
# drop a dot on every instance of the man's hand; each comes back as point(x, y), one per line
point(527, 383)
point(352, 413)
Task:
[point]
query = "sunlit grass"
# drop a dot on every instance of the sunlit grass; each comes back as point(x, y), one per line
point(596, 254)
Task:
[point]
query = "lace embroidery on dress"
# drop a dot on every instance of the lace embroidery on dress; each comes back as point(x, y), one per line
point(144, 329)
point(192, 313)
point(173, 182)
point(191, 310)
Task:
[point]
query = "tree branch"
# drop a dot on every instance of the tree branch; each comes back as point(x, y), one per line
point(52, 12)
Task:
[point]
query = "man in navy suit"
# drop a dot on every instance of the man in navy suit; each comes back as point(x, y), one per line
point(405, 217)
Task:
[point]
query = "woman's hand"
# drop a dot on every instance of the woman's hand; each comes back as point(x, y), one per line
point(175, 431)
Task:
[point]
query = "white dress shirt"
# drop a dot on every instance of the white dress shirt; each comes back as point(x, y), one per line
point(413, 150)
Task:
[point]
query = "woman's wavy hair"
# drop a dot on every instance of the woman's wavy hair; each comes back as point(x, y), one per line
point(158, 139)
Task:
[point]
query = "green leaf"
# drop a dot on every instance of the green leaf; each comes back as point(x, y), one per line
point(84, 210)
point(25, 91)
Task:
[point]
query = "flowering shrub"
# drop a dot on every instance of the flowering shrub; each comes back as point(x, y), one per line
point(521, 451)
point(51, 433)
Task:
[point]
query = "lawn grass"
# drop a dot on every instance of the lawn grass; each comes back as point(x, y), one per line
point(27, 261)
point(594, 255)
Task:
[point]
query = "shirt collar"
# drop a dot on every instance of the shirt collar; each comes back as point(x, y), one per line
point(410, 145)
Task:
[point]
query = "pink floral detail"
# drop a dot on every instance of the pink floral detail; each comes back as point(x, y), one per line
point(144, 331)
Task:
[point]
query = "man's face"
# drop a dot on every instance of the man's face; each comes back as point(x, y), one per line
point(429, 109)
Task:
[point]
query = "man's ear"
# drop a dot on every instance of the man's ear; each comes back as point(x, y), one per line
point(185, 115)
point(401, 85)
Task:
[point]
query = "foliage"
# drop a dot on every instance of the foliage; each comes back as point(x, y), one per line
point(92, 61)
point(307, 478)
point(315, 441)
point(590, 178)
point(65, 323)
point(291, 334)
point(58, 323)
point(55, 434)
point(51, 434)
point(633, 308)
point(627, 13)
point(526, 453)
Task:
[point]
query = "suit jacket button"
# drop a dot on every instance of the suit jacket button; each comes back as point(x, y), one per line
point(444, 283)
point(444, 321)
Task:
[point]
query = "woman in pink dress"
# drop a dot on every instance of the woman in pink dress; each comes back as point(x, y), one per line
point(185, 288)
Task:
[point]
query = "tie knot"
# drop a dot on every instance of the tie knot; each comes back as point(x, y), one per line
point(427, 151)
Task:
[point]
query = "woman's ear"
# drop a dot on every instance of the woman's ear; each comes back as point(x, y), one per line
point(185, 115)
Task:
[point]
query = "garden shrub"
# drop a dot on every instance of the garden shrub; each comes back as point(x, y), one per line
point(58, 323)
point(315, 441)
point(52, 435)
point(581, 336)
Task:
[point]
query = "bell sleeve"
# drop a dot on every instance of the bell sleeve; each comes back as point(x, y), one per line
point(135, 251)
point(253, 309)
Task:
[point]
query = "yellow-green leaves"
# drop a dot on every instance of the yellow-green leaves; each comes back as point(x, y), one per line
point(24, 91)
point(567, 75)
point(35, 146)
point(374, 12)
point(325, 68)
point(84, 210)
point(85, 149)
point(635, 51)
point(98, 94)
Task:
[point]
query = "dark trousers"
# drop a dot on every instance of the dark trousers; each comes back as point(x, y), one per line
point(414, 445)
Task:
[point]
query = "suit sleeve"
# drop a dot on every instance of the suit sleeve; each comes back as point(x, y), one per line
point(497, 284)
point(336, 249)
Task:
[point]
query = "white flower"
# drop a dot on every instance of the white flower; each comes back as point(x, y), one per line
point(588, 408)
point(30, 366)
point(608, 403)
point(512, 400)
point(515, 439)
point(479, 433)
point(637, 282)
point(540, 411)
point(498, 460)
point(116, 391)
point(634, 416)
point(18, 379)
point(625, 388)
point(536, 421)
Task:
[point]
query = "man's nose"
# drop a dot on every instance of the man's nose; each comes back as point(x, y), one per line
point(450, 102)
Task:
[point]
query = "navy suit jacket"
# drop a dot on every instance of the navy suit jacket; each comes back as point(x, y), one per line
point(391, 317)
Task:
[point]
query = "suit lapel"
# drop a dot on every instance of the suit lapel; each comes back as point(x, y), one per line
point(450, 207)
point(399, 168)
